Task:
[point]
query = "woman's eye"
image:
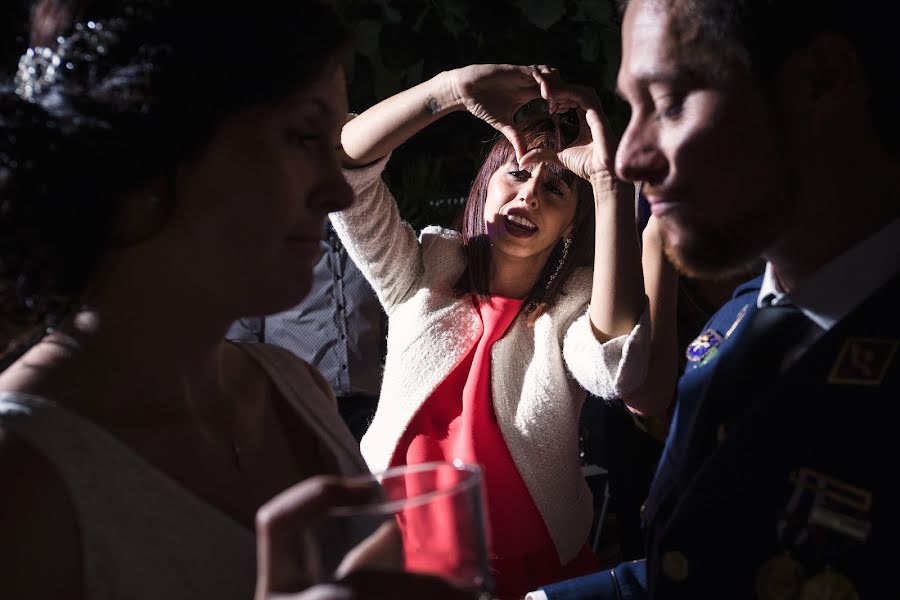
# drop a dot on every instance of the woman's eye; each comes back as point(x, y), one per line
point(554, 189)
point(298, 138)
point(521, 174)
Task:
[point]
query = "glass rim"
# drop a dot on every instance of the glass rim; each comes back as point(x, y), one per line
point(385, 507)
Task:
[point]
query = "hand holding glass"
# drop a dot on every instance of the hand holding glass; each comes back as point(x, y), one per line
point(435, 508)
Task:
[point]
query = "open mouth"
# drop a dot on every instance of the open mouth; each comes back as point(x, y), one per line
point(519, 226)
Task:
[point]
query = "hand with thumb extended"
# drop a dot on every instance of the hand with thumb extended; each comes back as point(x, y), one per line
point(592, 152)
point(286, 561)
point(494, 93)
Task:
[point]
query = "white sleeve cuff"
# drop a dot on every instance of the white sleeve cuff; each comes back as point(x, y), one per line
point(610, 369)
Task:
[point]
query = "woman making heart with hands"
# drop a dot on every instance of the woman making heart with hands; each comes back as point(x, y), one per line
point(498, 331)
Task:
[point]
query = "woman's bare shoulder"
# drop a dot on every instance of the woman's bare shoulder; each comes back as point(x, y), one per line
point(304, 374)
point(287, 371)
point(39, 525)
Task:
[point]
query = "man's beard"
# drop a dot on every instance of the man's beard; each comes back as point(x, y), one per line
point(721, 251)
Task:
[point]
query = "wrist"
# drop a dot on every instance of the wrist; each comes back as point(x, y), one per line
point(609, 188)
point(606, 183)
point(444, 94)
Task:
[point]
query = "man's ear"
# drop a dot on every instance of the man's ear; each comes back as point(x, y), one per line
point(142, 212)
point(818, 81)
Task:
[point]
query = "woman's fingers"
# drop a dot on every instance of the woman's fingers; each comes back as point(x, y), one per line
point(599, 130)
point(282, 524)
point(577, 96)
point(498, 91)
point(593, 131)
point(543, 155)
point(395, 585)
point(573, 158)
point(549, 80)
point(383, 549)
point(298, 505)
point(520, 146)
point(383, 585)
point(578, 159)
point(585, 135)
point(319, 592)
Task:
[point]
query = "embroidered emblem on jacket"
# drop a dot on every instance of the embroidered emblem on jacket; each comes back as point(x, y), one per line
point(706, 345)
point(863, 361)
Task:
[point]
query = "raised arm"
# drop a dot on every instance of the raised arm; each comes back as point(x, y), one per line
point(661, 281)
point(492, 93)
point(617, 296)
point(386, 249)
point(618, 299)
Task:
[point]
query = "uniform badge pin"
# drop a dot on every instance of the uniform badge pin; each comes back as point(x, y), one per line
point(737, 320)
point(706, 345)
point(780, 578)
point(829, 585)
point(703, 345)
point(863, 361)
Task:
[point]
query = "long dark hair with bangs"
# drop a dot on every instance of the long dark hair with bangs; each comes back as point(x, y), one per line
point(539, 132)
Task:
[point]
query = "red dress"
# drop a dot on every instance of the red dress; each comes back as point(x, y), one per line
point(458, 421)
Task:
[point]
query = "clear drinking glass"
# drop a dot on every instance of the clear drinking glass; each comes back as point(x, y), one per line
point(436, 508)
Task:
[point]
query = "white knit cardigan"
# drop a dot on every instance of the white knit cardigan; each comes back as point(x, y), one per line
point(536, 400)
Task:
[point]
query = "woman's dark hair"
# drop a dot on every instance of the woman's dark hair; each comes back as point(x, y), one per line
point(539, 132)
point(763, 33)
point(119, 103)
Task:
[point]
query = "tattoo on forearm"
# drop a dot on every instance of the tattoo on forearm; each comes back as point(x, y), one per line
point(433, 106)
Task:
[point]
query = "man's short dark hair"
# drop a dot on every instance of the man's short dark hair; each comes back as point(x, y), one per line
point(763, 33)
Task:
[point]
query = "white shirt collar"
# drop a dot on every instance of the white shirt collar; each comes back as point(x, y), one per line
point(770, 292)
point(839, 286)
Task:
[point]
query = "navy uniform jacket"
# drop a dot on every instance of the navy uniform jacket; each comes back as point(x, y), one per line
point(726, 517)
